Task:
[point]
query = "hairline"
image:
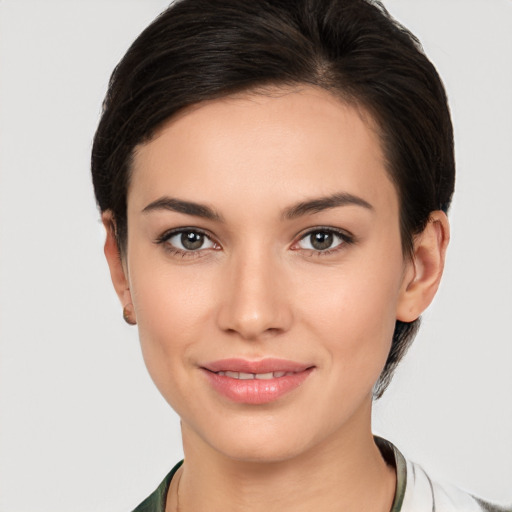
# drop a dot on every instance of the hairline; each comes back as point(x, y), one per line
point(368, 115)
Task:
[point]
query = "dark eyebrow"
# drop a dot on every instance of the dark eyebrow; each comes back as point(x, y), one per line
point(186, 207)
point(323, 203)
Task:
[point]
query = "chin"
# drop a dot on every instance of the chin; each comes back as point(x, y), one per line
point(255, 451)
point(257, 440)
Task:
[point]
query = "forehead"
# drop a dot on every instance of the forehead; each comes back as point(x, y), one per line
point(286, 144)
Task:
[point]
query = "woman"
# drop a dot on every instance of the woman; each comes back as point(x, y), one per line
point(274, 179)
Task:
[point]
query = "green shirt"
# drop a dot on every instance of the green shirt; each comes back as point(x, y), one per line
point(156, 501)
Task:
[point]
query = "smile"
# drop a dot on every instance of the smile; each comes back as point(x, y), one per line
point(255, 382)
point(259, 376)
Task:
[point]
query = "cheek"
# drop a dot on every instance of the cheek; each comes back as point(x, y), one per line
point(174, 310)
point(168, 297)
point(354, 312)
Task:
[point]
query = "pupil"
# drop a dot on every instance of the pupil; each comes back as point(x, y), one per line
point(321, 240)
point(192, 240)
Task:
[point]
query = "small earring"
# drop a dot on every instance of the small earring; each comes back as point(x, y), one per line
point(128, 314)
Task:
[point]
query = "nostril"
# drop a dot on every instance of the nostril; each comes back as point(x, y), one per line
point(251, 304)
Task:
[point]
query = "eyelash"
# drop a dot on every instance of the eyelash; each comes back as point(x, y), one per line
point(175, 251)
point(346, 239)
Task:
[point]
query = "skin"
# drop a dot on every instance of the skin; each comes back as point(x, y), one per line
point(257, 288)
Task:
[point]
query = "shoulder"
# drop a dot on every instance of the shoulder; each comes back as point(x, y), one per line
point(155, 502)
point(422, 493)
point(416, 491)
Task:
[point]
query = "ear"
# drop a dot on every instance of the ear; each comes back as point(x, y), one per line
point(424, 270)
point(116, 265)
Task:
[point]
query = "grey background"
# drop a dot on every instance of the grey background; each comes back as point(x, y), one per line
point(81, 426)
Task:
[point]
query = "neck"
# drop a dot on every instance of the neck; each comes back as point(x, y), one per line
point(344, 472)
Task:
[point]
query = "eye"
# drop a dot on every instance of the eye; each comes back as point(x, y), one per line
point(187, 240)
point(323, 240)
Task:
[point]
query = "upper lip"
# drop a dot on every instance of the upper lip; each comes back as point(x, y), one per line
point(261, 366)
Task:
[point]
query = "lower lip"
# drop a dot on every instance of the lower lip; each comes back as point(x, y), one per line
point(256, 391)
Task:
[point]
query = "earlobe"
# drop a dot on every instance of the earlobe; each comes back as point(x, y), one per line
point(117, 269)
point(425, 268)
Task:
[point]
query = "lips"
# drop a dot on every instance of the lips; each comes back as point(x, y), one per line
point(259, 376)
point(255, 382)
point(256, 367)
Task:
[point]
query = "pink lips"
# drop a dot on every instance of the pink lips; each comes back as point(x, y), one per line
point(255, 382)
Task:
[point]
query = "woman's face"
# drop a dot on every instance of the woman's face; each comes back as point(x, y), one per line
point(264, 241)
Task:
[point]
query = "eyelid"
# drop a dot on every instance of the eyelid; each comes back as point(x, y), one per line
point(346, 237)
point(167, 235)
point(175, 231)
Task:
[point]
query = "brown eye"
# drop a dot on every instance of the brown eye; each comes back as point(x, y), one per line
point(189, 240)
point(321, 240)
point(192, 241)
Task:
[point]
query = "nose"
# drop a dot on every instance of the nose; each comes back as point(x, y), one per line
point(255, 301)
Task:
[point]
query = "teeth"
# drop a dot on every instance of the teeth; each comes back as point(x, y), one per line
point(265, 376)
point(257, 376)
